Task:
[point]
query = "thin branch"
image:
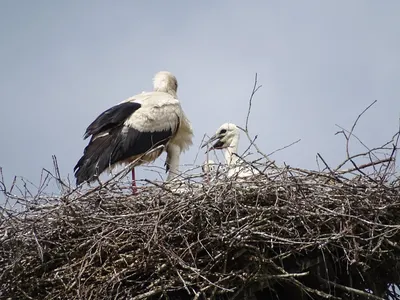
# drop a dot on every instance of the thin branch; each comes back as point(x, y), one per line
point(352, 290)
point(256, 87)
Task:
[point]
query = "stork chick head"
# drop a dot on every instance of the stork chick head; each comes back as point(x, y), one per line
point(209, 166)
point(226, 136)
point(165, 81)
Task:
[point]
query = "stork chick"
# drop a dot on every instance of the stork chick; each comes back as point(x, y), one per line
point(227, 139)
point(209, 169)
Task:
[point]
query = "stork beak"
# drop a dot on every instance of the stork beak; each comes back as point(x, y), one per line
point(212, 139)
point(217, 145)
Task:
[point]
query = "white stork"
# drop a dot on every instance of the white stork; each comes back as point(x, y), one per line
point(139, 128)
point(209, 169)
point(227, 139)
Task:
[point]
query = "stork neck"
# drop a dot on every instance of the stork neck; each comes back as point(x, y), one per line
point(230, 152)
point(167, 90)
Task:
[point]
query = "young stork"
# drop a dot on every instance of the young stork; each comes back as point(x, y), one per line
point(210, 170)
point(227, 139)
point(139, 128)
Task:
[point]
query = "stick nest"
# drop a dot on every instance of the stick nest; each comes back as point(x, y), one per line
point(297, 231)
point(287, 233)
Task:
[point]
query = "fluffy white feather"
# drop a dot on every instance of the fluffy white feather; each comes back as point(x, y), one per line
point(156, 112)
point(227, 139)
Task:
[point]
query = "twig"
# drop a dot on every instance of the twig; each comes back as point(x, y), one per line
point(365, 166)
point(354, 125)
point(351, 290)
point(256, 87)
point(147, 294)
point(284, 147)
point(334, 175)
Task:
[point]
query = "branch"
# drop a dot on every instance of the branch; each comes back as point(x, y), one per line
point(255, 89)
point(351, 290)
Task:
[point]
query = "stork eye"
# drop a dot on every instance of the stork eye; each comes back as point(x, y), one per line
point(222, 131)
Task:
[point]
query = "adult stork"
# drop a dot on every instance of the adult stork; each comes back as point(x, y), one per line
point(227, 139)
point(137, 131)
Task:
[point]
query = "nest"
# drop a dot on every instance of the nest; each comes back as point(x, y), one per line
point(287, 233)
point(293, 234)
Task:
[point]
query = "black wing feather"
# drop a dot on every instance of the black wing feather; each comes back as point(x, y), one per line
point(121, 143)
point(112, 117)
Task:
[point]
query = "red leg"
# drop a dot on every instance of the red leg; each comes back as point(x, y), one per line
point(134, 188)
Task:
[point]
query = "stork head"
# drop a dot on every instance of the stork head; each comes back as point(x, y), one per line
point(226, 136)
point(165, 81)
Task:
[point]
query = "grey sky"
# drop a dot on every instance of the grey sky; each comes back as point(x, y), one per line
point(320, 63)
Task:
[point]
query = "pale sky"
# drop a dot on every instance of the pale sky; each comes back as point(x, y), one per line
point(320, 63)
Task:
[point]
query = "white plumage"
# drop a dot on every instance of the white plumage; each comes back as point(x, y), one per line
point(227, 139)
point(209, 166)
point(210, 170)
point(139, 128)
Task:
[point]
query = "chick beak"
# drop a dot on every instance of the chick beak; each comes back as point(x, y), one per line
point(217, 145)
